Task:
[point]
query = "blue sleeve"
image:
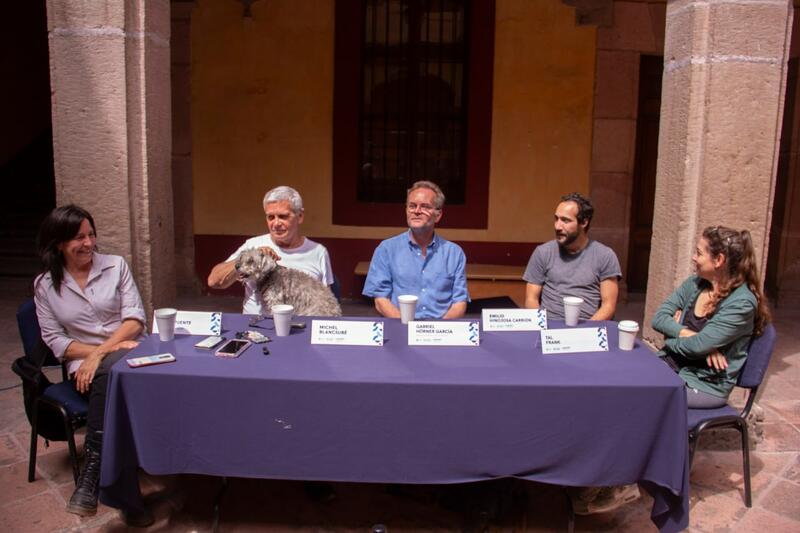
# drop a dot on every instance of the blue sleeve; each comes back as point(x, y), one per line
point(379, 277)
point(460, 292)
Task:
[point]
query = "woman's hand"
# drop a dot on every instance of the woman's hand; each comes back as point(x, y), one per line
point(677, 316)
point(686, 332)
point(716, 360)
point(125, 345)
point(85, 374)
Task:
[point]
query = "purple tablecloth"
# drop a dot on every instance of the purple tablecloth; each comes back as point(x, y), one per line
point(401, 414)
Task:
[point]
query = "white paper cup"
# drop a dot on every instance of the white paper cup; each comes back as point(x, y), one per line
point(282, 316)
point(408, 307)
point(627, 334)
point(572, 310)
point(165, 318)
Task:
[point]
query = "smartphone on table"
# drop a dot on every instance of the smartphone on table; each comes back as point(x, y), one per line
point(233, 348)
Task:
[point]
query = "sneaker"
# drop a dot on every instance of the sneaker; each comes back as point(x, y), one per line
point(607, 499)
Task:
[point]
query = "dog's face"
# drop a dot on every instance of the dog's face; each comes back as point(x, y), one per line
point(255, 264)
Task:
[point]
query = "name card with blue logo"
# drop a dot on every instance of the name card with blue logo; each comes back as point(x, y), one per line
point(346, 332)
point(443, 333)
point(514, 319)
point(194, 323)
point(573, 340)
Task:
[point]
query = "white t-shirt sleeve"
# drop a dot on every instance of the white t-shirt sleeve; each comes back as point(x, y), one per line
point(325, 266)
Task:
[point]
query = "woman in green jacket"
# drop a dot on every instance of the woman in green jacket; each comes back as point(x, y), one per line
point(708, 321)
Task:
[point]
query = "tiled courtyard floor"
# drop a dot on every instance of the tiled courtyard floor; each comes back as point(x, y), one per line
point(183, 503)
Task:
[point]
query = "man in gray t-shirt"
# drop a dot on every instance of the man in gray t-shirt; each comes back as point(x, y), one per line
point(573, 265)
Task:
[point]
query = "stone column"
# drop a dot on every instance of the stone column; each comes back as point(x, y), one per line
point(109, 75)
point(725, 65)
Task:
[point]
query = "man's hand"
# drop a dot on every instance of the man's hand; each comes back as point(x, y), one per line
point(269, 251)
point(716, 360)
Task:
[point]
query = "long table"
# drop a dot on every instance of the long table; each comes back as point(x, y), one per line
point(401, 414)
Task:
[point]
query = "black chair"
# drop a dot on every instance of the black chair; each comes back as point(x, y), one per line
point(55, 410)
point(758, 356)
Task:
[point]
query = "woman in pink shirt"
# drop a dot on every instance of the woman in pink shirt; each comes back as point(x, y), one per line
point(90, 314)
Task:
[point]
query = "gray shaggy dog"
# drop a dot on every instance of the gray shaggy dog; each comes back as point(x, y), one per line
point(281, 285)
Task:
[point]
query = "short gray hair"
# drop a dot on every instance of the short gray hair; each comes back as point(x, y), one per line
point(438, 200)
point(284, 193)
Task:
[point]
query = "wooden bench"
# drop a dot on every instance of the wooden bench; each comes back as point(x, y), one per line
point(485, 281)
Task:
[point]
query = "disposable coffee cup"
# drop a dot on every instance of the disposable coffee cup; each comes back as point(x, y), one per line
point(572, 310)
point(408, 307)
point(282, 316)
point(165, 319)
point(627, 334)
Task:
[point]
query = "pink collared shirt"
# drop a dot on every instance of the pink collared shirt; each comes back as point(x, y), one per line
point(90, 315)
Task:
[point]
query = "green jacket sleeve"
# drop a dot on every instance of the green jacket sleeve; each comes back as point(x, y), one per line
point(663, 319)
point(732, 320)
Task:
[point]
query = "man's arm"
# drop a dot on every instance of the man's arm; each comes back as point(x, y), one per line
point(533, 294)
point(386, 308)
point(224, 274)
point(456, 310)
point(609, 289)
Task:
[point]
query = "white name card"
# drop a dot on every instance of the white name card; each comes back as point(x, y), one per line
point(572, 340)
point(514, 319)
point(195, 323)
point(353, 333)
point(443, 333)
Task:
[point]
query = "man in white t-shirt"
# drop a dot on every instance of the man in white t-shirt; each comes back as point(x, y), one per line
point(284, 209)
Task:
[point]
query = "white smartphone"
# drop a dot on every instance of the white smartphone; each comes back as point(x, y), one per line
point(136, 362)
point(233, 348)
point(209, 342)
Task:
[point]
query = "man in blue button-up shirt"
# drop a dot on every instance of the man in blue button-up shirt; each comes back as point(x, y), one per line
point(419, 262)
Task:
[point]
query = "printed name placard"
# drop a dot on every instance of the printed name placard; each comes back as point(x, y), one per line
point(353, 333)
point(443, 333)
point(572, 340)
point(195, 323)
point(514, 319)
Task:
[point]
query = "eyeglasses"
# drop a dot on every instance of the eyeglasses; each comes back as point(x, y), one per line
point(425, 208)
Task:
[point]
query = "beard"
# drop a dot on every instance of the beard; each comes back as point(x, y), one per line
point(568, 238)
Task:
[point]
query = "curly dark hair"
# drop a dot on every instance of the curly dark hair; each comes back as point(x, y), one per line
point(585, 207)
point(61, 225)
point(742, 267)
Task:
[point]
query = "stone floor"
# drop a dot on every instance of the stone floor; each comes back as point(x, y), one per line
point(183, 503)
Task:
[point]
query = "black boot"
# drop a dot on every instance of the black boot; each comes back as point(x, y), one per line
point(84, 500)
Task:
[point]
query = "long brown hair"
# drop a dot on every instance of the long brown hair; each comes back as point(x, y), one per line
point(740, 261)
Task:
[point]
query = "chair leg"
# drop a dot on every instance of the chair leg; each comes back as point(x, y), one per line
point(748, 499)
point(218, 503)
point(34, 439)
point(73, 452)
point(693, 438)
point(570, 512)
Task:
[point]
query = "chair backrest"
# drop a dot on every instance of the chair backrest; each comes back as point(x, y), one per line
point(35, 349)
point(758, 356)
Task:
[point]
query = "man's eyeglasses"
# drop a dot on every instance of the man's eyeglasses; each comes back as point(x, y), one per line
point(425, 208)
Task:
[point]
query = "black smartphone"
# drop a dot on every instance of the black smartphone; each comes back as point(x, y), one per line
point(233, 348)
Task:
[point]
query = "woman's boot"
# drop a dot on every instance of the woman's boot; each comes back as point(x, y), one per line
point(84, 500)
